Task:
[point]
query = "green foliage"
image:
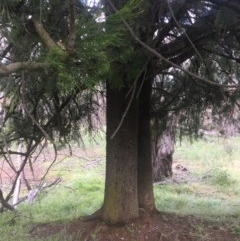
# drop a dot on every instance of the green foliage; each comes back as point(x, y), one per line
point(117, 31)
point(65, 73)
point(7, 8)
point(100, 44)
point(125, 57)
point(56, 58)
point(93, 63)
point(130, 11)
point(90, 64)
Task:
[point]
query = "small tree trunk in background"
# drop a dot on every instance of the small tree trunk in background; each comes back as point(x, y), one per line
point(162, 155)
point(121, 193)
point(19, 180)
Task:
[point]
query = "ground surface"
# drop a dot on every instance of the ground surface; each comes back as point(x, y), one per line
point(154, 227)
point(157, 227)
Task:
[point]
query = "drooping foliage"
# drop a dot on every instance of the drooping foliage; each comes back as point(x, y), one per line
point(73, 67)
point(56, 101)
point(197, 36)
point(77, 56)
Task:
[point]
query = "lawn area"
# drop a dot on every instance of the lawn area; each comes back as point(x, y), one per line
point(200, 202)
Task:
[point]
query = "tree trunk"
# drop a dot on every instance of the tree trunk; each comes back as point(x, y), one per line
point(145, 178)
point(121, 195)
point(20, 177)
point(129, 182)
point(163, 149)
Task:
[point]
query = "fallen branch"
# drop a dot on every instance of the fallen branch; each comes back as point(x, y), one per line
point(33, 194)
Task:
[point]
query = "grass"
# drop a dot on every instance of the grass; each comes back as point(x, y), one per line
point(212, 190)
point(182, 201)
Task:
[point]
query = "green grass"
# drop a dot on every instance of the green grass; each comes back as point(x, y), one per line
point(217, 151)
point(214, 168)
point(68, 201)
point(186, 201)
point(213, 193)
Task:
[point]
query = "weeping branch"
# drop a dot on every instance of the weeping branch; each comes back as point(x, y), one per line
point(166, 60)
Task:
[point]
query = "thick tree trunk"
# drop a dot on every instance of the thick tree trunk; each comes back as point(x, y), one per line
point(145, 178)
point(129, 184)
point(121, 192)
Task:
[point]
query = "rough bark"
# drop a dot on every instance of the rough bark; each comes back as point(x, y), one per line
point(163, 149)
point(43, 34)
point(121, 195)
point(145, 180)
point(7, 69)
point(5, 203)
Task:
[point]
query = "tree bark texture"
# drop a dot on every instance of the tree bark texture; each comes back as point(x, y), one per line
point(129, 184)
point(121, 195)
point(145, 178)
point(163, 149)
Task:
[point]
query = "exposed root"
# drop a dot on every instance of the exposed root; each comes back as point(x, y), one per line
point(95, 216)
point(147, 212)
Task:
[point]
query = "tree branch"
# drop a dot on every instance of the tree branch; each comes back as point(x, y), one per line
point(4, 203)
point(7, 69)
point(164, 59)
point(43, 34)
point(72, 32)
point(6, 50)
point(184, 32)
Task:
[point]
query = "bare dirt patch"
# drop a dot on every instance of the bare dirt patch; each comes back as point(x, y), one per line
point(155, 227)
